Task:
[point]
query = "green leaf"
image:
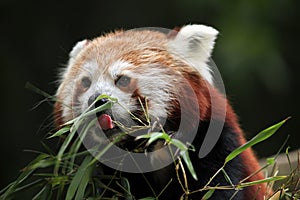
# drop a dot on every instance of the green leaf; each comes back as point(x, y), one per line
point(85, 180)
point(261, 136)
point(35, 162)
point(58, 180)
point(80, 180)
point(43, 164)
point(44, 193)
point(185, 155)
point(62, 149)
point(99, 154)
point(6, 188)
point(208, 194)
point(126, 186)
point(270, 161)
point(287, 150)
point(42, 161)
point(227, 177)
point(39, 91)
point(158, 135)
point(23, 176)
point(105, 96)
point(179, 144)
point(188, 162)
point(48, 149)
point(266, 180)
point(148, 198)
point(30, 185)
point(77, 144)
point(60, 132)
point(88, 112)
point(154, 136)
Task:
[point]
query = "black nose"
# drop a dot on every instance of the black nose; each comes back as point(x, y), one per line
point(99, 102)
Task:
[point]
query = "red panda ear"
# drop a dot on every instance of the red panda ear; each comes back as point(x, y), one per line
point(77, 49)
point(57, 112)
point(72, 56)
point(194, 43)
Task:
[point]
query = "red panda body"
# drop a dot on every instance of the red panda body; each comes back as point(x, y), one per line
point(170, 73)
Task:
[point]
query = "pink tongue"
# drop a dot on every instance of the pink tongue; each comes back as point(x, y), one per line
point(105, 122)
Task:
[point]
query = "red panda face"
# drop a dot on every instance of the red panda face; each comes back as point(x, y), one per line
point(168, 76)
point(132, 64)
point(141, 68)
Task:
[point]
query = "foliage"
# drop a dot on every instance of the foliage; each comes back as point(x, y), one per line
point(71, 172)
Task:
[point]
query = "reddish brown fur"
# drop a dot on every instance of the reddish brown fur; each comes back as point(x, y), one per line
point(204, 92)
point(58, 121)
point(250, 161)
point(138, 56)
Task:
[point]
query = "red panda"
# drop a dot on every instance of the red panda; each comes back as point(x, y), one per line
point(168, 72)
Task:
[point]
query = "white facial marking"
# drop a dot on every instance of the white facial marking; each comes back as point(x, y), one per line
point(116, 68)
point(193, 45)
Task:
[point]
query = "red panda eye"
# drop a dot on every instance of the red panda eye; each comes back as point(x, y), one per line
point(123, 81)
point(86, 82)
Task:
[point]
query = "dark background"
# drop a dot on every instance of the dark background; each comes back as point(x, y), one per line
point(257, 53)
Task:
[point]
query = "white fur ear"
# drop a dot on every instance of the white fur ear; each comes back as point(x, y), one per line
point(76, 50)
point(194, 43)
point(72, 55)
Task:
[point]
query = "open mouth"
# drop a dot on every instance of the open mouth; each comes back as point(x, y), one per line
point(122, 136)
point(114, 132)
point(105, 121)
point(125, 134)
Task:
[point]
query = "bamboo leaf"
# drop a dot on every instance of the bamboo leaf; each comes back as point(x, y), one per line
point(158, 135)
point(103, 151)
point(84, 181)
point(6, 188)
point(48, 149)
point(188, 162)
point(58, 180)
point(30, 185)
point(62, 149)
point(208, 194)
point(80, 176)
point(39, 91)
point(154, 136)
point(261, 136)
point(60, 132)
point(89, 111)
point(23, 176)
point(44, 193)
point(34, 164)
point(179, 144)
point(126, 185)
point(77, 144)
point(270, 161)
point(227, 177)
point(42, 161)
point(266, 180)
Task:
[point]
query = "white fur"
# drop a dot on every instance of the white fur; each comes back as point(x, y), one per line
point(72, 56)
point(77, 49)
point(116, 68)
point(194, 44)
point(152, 84)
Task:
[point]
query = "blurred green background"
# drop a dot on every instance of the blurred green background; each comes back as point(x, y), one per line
point(257, 53)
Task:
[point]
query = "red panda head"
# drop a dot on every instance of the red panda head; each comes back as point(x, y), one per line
point(166, 72)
